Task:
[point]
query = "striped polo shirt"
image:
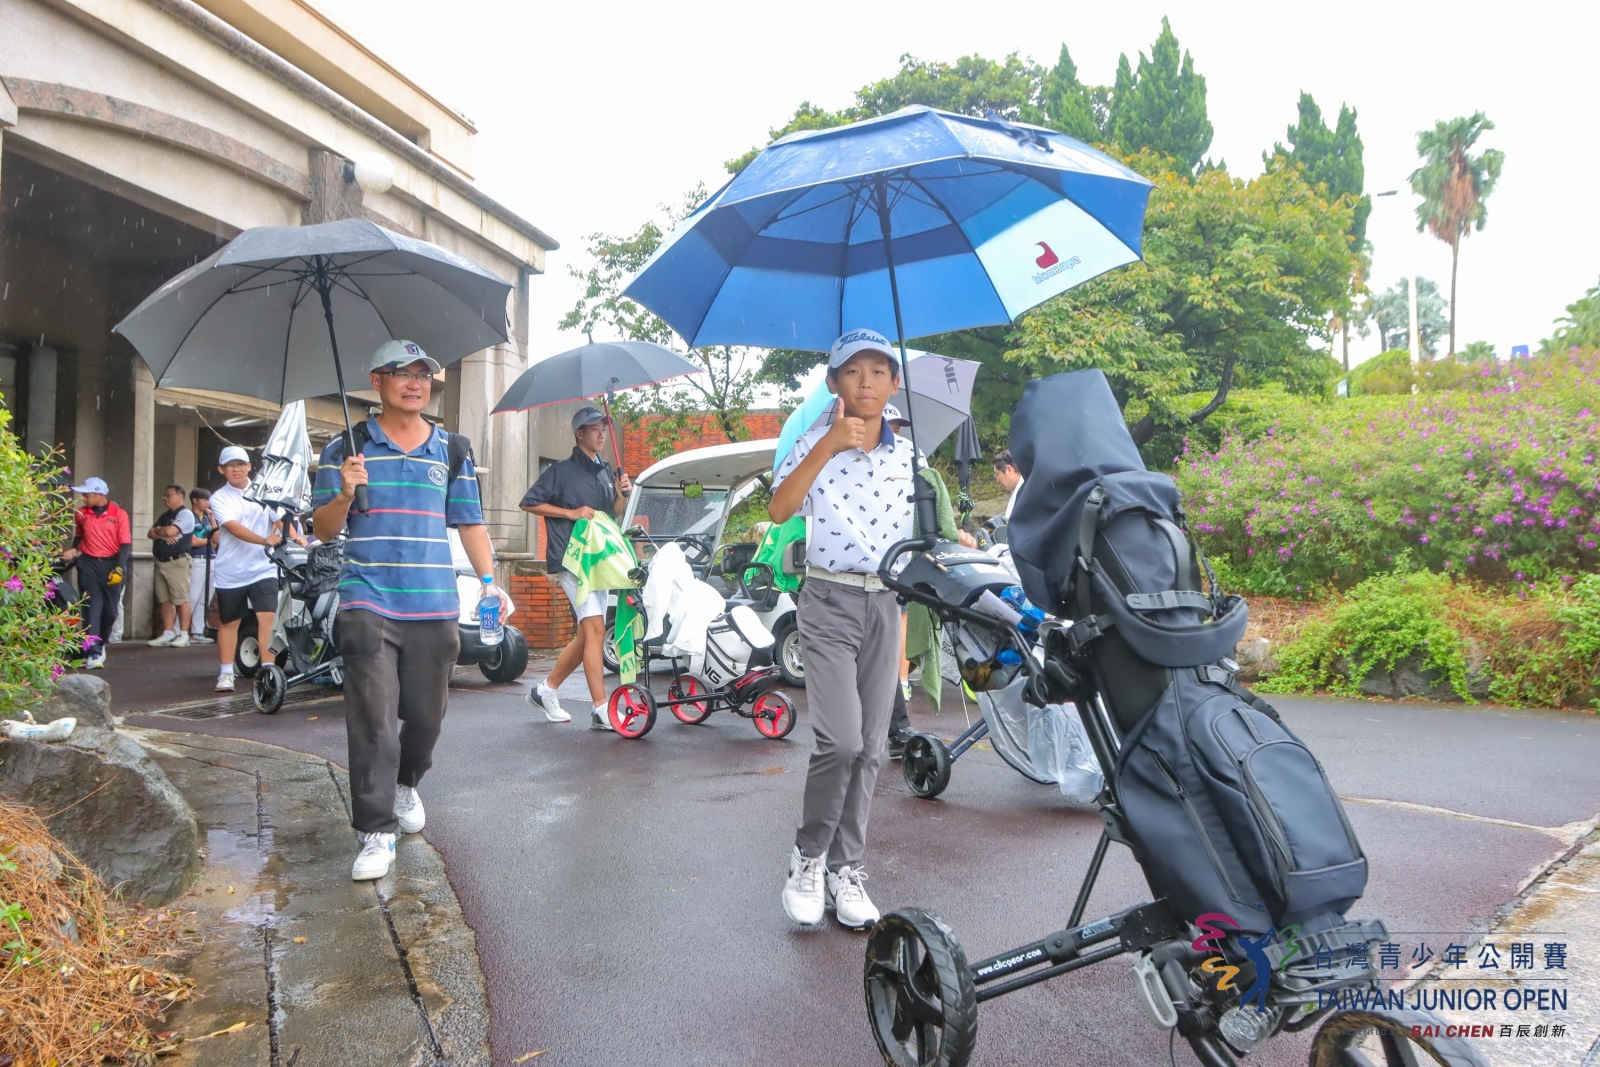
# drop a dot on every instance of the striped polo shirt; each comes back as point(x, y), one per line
point(397, 555)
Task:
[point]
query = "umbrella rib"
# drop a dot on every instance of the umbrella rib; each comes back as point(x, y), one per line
point(192, 326)
point(371, 304)
point(288, 329)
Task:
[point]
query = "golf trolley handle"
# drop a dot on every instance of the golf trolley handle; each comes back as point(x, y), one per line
point(1030, 667)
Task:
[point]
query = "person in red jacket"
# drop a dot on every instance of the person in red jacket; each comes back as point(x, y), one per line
point(102, 546)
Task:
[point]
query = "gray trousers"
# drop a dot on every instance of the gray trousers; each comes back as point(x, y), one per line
point(850, 640)
point(396, 685)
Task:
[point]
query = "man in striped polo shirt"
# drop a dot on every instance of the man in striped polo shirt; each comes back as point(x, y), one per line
point(397, 593)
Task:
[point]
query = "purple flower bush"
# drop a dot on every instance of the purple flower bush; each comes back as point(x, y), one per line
point(1498, 480)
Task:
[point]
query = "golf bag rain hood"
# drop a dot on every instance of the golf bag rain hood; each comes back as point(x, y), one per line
point(1226, 809)
point(1074, 450)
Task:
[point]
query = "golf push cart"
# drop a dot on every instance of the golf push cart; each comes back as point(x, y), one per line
point(1244, 844)
point(687, 498)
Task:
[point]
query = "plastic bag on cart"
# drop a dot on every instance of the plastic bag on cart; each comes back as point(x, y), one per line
point(1048, 745)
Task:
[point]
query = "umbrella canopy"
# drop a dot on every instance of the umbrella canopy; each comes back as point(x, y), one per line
point(968, 452)
point(923, 218)
point(284, 480)
point(940, 397)
point(592, 370)
point(252, 318)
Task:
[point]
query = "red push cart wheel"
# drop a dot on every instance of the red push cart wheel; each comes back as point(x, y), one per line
point(633, 710)
point(773, 715)
point(688, 688)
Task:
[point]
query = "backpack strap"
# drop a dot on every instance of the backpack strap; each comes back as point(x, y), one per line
point(1182, 555)
point(1088, 523)
point(460, 452)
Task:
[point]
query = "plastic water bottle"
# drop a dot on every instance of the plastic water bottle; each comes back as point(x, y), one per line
point(489, 629)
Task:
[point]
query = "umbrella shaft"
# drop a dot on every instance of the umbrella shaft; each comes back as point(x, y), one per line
point(922, 494)
point(324, 284)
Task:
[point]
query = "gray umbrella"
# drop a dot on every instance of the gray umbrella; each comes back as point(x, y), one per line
point(594, 369)
point(284, 480)
point(289, 312)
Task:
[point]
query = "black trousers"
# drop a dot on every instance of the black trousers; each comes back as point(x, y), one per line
point(396, 686)
point(898, 719)
point(100, 611)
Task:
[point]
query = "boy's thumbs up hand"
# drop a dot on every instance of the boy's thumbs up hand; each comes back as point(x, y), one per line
point(845, 433)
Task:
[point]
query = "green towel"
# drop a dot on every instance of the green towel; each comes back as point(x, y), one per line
point(773, 545)
point(599, 556)
point(922, 628)
point(628, 631)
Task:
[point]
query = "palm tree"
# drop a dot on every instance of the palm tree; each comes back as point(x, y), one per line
point(1453, 184)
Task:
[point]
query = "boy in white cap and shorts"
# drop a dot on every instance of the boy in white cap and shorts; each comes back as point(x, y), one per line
point(242, 574)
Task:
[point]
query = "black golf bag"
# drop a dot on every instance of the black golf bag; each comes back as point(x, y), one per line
point(1227, 810)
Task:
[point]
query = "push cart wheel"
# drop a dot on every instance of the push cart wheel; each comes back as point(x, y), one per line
point(926, 766)
point(687, 687)
point(268, 687)
point(773, 715)
point(1383, 1039)
point(786, 651)
point(247, 653)
point(633, 710)
point(920, 998)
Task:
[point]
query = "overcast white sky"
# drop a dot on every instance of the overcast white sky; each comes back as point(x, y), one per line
point(592, 114)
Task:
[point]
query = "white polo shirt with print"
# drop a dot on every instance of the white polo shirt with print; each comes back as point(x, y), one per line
point(860, 504)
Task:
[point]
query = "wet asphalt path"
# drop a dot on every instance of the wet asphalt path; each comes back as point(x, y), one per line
point(625, 893)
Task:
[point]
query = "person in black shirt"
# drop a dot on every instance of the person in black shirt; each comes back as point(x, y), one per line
point(572, 489)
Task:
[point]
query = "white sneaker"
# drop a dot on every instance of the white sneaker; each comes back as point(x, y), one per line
point(408, 809)
point(202, 639)
point(600, 719)
point(542, 696)
point(803, 892)
point(166, 638)
point(181, 641)
point(225, 682)
point(851, 905)
point(95, 662)
point(377, 857)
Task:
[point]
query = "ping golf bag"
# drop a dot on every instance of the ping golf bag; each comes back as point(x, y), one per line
point(1228, 810)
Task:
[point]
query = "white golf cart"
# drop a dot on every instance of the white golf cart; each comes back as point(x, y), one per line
point(687, 498)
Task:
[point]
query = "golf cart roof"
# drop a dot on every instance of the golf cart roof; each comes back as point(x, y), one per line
point(714, 467)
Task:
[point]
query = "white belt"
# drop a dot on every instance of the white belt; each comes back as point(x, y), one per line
point(870, 582)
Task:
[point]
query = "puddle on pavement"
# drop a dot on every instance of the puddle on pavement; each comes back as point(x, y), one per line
point(235, 851)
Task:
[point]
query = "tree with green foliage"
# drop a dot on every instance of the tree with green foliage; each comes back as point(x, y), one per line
point(1075, 109)
point(730, 383)
point(1237, 277)
point(1453, 184)
point(1161, 105)
point(1390, 313)
point(35, 524)
point(1580, 327)
point(1332, 159)
point(1478, 352)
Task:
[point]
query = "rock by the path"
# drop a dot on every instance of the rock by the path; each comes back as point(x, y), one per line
point(111, 805)
point(81, 696)
point(1255, 660)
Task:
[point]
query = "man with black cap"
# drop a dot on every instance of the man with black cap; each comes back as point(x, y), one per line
point(572, 489)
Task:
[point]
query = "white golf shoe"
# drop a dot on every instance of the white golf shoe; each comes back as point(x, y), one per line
point(376, 858)
point(408, 809)
point(543, 697)
point(851, 905)
point(803, 892)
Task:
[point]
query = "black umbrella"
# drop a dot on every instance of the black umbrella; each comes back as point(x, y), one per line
point(594, 369)
point(968, 452)
point(284, 312)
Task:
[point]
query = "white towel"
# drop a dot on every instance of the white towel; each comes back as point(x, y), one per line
point(669, 573)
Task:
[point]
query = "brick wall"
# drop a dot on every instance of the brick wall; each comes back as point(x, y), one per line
point(703, 431)
point(543, 614)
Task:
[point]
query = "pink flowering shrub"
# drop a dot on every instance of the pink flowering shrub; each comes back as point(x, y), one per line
point(35, 523)
point(1498, 480)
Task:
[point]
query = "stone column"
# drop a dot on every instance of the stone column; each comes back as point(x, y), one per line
point(42, 369)
point(137, 602)
point(332, 198)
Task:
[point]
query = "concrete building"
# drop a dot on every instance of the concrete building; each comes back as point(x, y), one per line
point(136, 137)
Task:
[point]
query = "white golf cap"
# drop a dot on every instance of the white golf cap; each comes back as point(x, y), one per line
point(852, 342)
point(233, 454)
point(892, 414)
point(92, 485)
point(401, 354)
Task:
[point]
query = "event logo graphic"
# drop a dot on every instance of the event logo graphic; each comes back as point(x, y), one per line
point(1052, 263)
point(1211, 937)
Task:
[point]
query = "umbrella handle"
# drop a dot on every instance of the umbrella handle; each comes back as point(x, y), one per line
point(611, 430)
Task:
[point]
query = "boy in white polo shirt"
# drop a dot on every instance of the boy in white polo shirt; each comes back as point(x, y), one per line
point(853, 478)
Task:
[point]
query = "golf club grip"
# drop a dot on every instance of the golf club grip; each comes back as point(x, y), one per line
point(360, 505)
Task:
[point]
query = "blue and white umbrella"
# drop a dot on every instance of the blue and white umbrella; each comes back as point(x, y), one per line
point(924, 218)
